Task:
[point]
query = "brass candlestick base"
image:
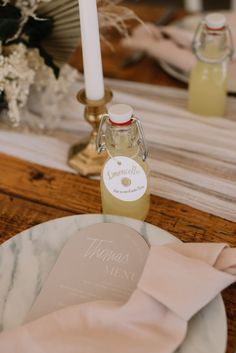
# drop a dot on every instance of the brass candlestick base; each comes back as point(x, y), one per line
point(83, 157)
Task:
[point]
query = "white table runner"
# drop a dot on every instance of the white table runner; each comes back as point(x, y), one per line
point(192, 159)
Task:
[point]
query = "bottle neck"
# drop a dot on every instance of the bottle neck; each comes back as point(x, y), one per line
point(122, 140)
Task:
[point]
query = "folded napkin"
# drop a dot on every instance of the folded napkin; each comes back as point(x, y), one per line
point(176, 50)
point(178, 280)
point(171, 44)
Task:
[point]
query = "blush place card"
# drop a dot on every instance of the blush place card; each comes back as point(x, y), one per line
point(101, 262)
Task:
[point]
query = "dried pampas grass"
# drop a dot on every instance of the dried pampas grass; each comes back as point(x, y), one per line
point(66, 32)
point(113, 15)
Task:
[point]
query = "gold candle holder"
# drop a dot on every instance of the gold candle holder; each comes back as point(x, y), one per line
point(83, 156)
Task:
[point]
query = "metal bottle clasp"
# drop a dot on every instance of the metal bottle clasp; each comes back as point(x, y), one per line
point(100, 140)
point(141, 140)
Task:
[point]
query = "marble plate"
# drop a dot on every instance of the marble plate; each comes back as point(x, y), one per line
point(27, 258)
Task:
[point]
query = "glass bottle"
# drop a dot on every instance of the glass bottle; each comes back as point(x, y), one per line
point(125, 175)
point(213, 48)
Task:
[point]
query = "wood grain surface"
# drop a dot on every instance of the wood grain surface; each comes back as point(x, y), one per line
point(31, 194)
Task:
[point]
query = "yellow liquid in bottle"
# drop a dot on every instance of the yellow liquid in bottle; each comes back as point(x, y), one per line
point(207, 88)
point(135, 209)
point(122, 186)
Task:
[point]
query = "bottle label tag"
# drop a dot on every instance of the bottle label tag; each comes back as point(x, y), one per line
point(124, 178)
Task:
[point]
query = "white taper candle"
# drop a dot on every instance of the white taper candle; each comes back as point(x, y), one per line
point(92, 60)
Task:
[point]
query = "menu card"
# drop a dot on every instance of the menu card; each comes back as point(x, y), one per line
point(101, 262)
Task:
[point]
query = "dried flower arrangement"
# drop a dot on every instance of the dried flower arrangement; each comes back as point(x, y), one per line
point(31, 54)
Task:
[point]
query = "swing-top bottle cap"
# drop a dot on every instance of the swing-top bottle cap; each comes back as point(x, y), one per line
point(120, 114)
point(215, 20)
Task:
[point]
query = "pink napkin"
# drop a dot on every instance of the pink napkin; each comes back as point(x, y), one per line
point(170, 43)
point(178, 280)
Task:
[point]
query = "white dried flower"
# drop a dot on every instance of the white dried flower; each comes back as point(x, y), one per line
point(16, 78)
point(23, 70)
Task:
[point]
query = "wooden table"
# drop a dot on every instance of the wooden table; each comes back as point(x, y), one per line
point(31, 194)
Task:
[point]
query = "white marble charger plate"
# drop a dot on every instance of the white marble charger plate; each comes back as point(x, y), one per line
point(190, 23)
point(27, 258)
